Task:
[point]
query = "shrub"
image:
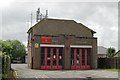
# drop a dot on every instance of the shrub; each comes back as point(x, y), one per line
point(5, 65)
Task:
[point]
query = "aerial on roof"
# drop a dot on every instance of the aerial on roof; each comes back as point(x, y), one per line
point(61, 26)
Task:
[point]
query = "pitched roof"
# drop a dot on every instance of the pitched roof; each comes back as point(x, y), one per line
point(61, 26)
point(117, 54)
point(102, 50)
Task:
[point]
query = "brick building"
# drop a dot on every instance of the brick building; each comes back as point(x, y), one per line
point(61, 44)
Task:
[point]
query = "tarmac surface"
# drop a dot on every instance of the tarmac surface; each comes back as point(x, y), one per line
point(23, 71)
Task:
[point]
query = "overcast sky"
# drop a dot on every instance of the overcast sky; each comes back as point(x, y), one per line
point(101, 17)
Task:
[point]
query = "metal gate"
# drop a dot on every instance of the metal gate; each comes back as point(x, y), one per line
point(51, 58)
point(80, 58)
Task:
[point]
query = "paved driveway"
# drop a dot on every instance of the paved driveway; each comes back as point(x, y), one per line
point(24, 72)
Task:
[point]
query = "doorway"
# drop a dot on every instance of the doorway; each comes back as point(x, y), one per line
point(80, 58)
point(51, 58)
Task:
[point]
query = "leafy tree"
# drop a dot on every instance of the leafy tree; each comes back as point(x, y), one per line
point(110, 52)
point(14, 48)
point(7, 47)
point(19, 49)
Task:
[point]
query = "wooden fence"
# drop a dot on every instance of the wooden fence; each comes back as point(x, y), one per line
point(107, 63)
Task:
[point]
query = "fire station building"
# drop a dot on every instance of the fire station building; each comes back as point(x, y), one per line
point(61, 44)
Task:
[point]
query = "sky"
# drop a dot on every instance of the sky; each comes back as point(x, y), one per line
point(102, 17)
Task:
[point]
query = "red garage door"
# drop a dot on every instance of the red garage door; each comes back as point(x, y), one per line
point(80, 58)
point(51, 58)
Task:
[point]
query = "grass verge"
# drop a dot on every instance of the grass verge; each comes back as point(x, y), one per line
point(114, 70)
point(10, 75)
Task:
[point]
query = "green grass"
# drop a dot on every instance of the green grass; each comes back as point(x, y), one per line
point(114, 70)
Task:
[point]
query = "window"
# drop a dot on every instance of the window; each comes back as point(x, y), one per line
point(54, 56)
point(48, 52)
point(72, 56)
point(60, 55)
point(77, 56)
point(83, 56)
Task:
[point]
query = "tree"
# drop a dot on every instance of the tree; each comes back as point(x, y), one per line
point(110, 52)
point(14, 48)
point(7, 47)
point(19, 49)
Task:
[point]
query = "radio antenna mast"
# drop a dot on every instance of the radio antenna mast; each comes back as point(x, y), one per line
point(40, 16)
point(46, 15)
point(37, 14)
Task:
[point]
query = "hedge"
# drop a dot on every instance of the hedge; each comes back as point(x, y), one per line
point(5, 65)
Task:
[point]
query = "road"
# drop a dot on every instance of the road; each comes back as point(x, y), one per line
point(24, 72)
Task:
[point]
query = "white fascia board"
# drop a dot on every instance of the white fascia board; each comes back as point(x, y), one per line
point(51, 45)
point(80, 46)
point(72, 46)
